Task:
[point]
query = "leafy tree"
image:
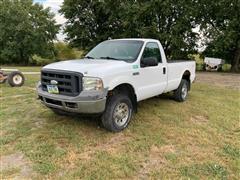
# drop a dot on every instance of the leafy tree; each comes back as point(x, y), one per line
point(220, 25)
point(64, 51)
point(169, 21)
point(90, 22)
point(25, 29)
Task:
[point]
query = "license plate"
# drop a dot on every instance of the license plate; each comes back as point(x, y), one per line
point(52, 89)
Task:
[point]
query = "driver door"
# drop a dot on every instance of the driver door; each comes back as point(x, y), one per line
point(152, 79)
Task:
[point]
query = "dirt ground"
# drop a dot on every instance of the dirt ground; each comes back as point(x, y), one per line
point(219, 79)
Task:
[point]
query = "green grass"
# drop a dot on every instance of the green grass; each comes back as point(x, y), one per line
point(197, 139)
point(211, 170)
point(231, 151)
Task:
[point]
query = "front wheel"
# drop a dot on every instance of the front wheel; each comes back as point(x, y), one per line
point(180, 94)
point(118, 113)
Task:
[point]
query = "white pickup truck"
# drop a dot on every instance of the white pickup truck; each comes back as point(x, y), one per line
point(112, 78)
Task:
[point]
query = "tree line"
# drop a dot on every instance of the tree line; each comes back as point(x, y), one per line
point(28, 29)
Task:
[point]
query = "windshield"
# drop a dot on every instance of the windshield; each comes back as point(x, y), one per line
point(126, 50)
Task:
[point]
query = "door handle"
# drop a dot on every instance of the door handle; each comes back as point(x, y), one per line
point(164, 70)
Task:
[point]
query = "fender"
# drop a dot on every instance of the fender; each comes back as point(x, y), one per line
point(121, 80)
point(192, 74)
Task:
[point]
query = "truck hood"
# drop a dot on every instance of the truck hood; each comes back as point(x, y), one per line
point(88, 67)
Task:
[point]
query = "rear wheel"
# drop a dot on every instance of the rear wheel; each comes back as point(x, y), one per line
point(180, 94)
point(118, 113)
point(16, 79)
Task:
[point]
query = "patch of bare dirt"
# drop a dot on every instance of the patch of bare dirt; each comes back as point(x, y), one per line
point(197, 153)
point(156, 159)
point(220, 79)
point(199, 119)
point(16, 96)
point(16, 161)
point(112, 146)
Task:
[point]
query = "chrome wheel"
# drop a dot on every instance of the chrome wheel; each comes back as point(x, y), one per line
point(121, 114)
point(17, 79)
point(184, 91)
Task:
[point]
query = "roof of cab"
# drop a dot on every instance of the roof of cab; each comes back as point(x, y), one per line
point(134, 39)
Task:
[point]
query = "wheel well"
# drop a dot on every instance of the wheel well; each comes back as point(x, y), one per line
point(126, 89)
point(186, 76)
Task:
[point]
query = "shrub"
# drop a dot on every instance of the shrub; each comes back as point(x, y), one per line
point(40, 61)
point(64, 51)
point(199, 67)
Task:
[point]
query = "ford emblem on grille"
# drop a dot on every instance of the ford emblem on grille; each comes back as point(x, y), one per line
point(53, 82)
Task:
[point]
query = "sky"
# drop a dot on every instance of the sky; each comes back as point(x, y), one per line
point(55, 6)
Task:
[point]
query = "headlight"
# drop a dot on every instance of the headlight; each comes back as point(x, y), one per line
point(91, 83)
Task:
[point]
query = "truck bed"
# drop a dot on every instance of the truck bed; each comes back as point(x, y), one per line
point(176, 69)
point(178, 61)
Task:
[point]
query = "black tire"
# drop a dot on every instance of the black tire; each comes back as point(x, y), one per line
point(108, 116)
point(16, 79)
point(179, 95)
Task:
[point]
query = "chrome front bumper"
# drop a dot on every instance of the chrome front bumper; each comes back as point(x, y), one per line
point(85, 102)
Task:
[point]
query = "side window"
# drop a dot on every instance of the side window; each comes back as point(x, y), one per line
point(152, 50)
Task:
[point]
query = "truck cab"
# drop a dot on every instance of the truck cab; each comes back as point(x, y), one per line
point(112, 78)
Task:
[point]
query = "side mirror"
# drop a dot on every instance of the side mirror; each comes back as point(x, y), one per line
point(149, 61)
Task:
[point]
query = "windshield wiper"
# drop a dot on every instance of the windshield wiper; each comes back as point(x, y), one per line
point(89, 57)
point(110, 58)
